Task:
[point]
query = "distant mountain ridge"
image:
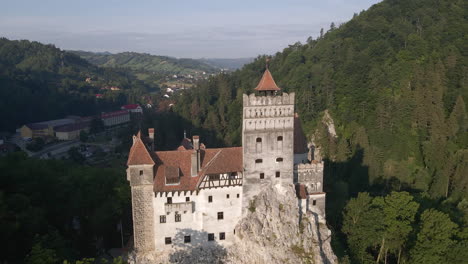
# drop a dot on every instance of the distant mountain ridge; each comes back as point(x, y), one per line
point(230, 64)
point(147, 62)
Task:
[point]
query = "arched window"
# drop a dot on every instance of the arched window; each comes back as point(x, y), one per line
point(259, 140)
point(279, 138)
point(279, 159)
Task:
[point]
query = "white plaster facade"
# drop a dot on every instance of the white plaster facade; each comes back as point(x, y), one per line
point(198, 216)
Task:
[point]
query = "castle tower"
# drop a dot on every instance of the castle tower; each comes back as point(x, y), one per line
point(267, 137)
point(140, 175)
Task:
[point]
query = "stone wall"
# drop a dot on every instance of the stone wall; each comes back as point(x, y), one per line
point(268, 142)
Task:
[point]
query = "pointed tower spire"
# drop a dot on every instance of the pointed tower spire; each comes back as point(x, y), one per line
point(139, 155)
point(267, 83)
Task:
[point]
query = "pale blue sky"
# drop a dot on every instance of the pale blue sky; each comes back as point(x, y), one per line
point(179, 28)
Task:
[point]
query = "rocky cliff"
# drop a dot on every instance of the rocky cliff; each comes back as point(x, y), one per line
point(270, 233)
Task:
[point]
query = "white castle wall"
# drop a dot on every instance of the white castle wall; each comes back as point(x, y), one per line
point(201, 220)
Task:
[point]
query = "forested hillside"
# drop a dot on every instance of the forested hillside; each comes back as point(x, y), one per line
point(40, 82)
point(146, 62)
point(394, 78)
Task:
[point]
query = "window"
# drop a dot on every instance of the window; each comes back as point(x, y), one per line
point(258, 161)
point(220, 215)
point(262, 175)
point(238, 195)
point(314, 202)
point(211, 237)
point(187, 239)
point(141, 172)
point(178, 217)
point(259, 140)
point(169, 200)
point(279, 138)
point(213, 177)
point(277, 174)
point(187, 199)
point(162, 219)
point(279, 159)
point(168, 240)
point(222, 236)
point(210, 199)
point(227, 196)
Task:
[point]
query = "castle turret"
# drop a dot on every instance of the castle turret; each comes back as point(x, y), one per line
point(267, 137)
point(140, 175)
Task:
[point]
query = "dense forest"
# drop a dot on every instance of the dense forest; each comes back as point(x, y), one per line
point(51, 211)
point(394, 80)
point(40, 82)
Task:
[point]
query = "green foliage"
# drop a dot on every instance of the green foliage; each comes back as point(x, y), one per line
point(41, 82)
point(252, 206)
point(59, 210)
point(435, 238)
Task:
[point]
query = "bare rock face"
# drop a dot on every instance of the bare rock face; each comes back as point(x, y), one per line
point(270, 233)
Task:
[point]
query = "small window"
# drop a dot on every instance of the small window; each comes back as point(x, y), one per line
point(314, 202)
point(262, 175)
point(211, 237)
point(279, 159)
point(220, 215)
point(178, 217)
point(187, 199)
point(258, 161)
point(162, 219)
point(169, 200)
point(279, 138)
point(277, 174)
point(187, 239)
point(210, 199)
point(227, 196)
point(141, 172)
point(259, 140)
point(168, 240)
point(238, 195)
point(222, 236)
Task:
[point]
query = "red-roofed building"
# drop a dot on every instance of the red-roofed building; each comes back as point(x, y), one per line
point(115, 118)
point(133, 108)
point(202, 190)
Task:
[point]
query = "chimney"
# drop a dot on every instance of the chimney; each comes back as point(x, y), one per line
point(196, 142)
point(151, 136)
point(196, 155)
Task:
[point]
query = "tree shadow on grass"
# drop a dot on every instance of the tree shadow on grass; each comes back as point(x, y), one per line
point(198, 250)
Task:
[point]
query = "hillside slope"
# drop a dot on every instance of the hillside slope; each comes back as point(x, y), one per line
point(146, 62)
point(40, 82)
point(394, 80)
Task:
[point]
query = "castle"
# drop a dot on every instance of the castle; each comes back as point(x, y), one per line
point(197, 195)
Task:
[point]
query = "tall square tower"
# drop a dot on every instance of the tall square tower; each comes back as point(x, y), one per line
point(267, 137)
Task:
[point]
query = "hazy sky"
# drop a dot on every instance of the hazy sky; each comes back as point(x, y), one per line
point(179, 28)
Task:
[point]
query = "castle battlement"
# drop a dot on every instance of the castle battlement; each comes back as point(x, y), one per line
point(313, 166)
point(268, 100)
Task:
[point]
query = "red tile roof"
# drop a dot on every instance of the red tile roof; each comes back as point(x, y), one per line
point(213, 161)
point(300, 141)
point(113, 114)
point(267, 83)
point(139, 155)
point(130, 106)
